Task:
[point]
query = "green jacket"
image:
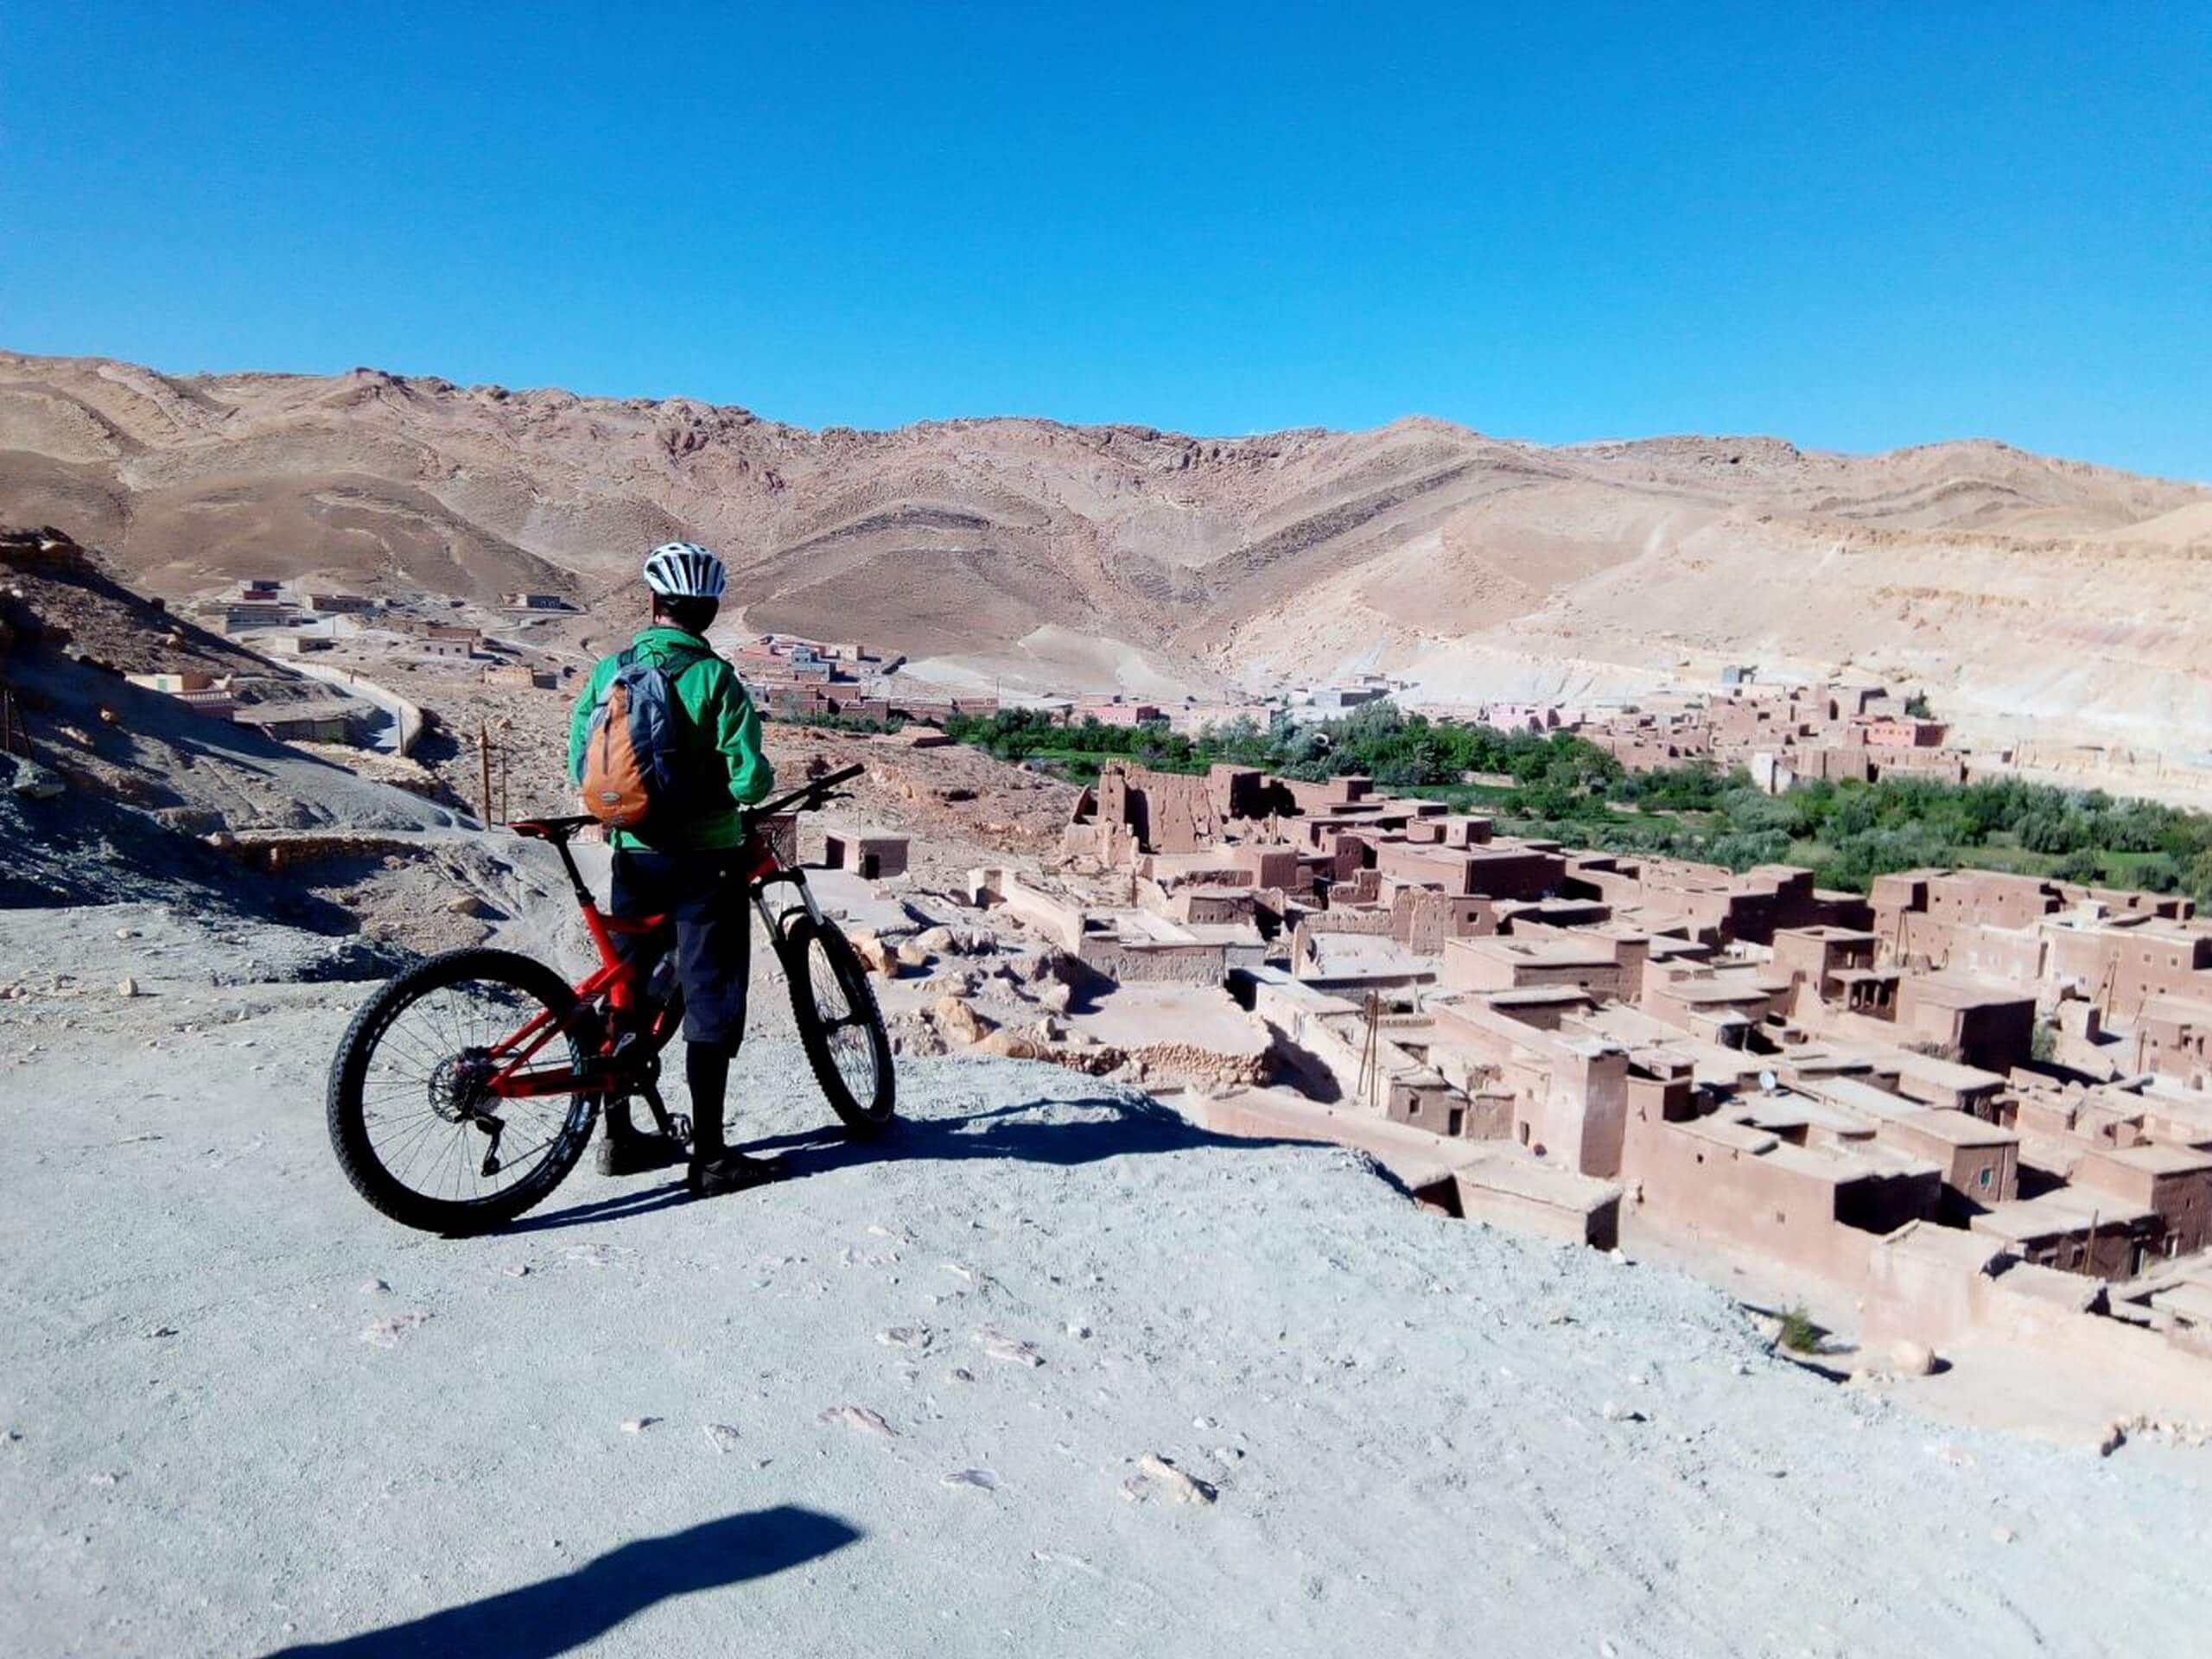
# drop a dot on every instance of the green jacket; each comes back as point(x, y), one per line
point(721, 732)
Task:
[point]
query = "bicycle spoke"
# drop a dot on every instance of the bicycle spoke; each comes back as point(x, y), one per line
point(427, 1087)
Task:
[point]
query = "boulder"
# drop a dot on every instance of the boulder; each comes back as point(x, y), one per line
point(1015, 1044)
point(21, 775)
point(465, 903)
point(875, 956)
point(937, 941)
point(1910, 1358)
point(911, 954)
point(1055, 996)
point(957, 1019)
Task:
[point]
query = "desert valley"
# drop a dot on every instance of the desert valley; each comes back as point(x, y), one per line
point(1629, 1020)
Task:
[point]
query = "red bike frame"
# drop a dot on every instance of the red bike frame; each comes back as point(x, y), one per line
point(615, 978)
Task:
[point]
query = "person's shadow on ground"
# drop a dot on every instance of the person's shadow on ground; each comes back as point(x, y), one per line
point(1116, 1127)
point(555, 1615)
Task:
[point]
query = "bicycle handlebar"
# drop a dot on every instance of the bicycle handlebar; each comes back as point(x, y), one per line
point(817, 787)
point(557, 830)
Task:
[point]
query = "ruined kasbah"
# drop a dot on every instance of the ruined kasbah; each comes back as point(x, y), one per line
point(1966, 1104)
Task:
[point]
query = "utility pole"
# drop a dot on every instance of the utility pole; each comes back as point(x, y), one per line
point(1370, 1066)
point(15, 734)
point(484, 767)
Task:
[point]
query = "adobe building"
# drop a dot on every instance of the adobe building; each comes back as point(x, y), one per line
point(1507, 1189)
point(2076, 1231)
point(1606, 967)
point(1974, 1022)
point(2173, 1036)
point(1901, 732)
point(1838, 964)
point(1980, 1162)
point(188, 680)
point(1817, 1208)
point(871, 855)
point(1723, 1003)
point(2173, 1182)
point(237, 618)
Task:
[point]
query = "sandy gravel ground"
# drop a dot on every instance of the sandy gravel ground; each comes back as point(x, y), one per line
point(904, 1404)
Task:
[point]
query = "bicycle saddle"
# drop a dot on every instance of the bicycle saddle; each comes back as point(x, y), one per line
point(553, 830)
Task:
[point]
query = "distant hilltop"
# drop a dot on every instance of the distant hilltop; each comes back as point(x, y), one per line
point(1047, 557)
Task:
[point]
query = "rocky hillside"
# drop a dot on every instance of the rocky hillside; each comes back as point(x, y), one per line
point(1063, 556)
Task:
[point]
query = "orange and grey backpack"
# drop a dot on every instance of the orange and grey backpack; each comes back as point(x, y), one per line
point(632, 771)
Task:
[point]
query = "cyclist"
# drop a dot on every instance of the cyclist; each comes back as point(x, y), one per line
point(686, 869)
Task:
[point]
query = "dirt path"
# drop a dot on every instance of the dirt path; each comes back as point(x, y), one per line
point(903, 1404)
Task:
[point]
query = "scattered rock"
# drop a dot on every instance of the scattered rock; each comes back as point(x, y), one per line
point(961, 1374)
point(1007, 1349)
point(982, 1480)
point(2003, 1535)
point(126, 987)
point(721, 1436)
point(937, 941)
point(1614, 1412)
point(911, 954)
point(2114, 1437)
point(862, 1418)
point(386, 1333)
point(1055, 996)
point(467, 904)
point(1188, 1488)
point(905, 1336)
point(639, 1425)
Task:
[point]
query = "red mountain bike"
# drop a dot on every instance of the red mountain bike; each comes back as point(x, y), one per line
point(444, 1095)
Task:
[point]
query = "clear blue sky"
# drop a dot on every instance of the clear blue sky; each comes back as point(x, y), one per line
point(1853, 226)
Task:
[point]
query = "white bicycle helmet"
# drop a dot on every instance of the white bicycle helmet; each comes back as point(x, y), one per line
point(684, 570)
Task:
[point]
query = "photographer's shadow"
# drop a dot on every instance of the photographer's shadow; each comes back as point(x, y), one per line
point(557, 1615)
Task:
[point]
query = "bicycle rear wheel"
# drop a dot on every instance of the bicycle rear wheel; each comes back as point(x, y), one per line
point(414, 1128)
point(839, 1025)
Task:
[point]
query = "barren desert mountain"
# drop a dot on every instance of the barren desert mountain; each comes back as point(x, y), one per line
point(1068, 558)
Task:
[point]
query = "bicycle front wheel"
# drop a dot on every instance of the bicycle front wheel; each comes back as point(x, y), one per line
point(839, 1025)
point(415, 1128)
